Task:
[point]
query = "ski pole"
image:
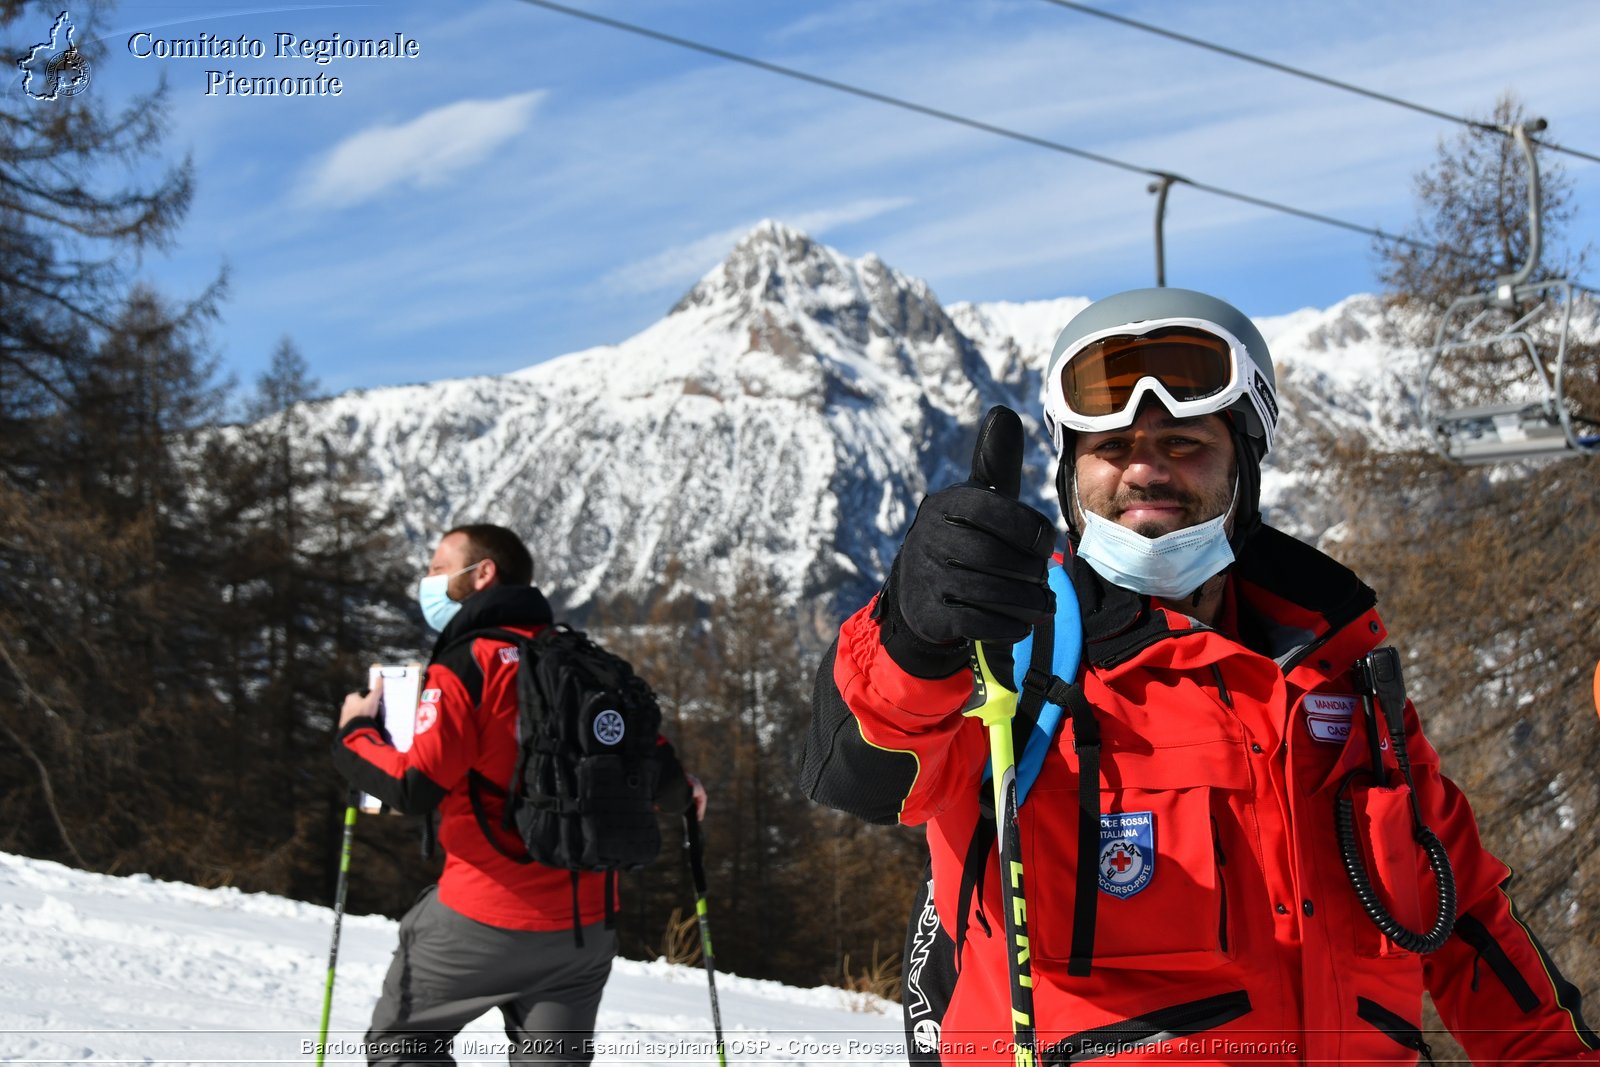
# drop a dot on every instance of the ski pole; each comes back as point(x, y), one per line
point(352, 806)
point(994, 702)
point(997, 463)
point(697, 871)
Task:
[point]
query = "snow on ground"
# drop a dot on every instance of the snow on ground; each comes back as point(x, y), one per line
point(131, 970)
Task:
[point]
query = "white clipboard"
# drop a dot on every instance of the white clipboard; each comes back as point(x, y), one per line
point(402, 683)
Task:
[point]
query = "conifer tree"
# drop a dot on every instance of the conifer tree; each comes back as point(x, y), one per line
point(92, 373)
point(181, 603)
point(1486, 575)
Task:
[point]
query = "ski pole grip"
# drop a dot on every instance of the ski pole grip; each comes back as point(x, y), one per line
point(993, 700)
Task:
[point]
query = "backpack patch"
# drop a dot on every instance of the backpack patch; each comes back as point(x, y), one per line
point(610, 727)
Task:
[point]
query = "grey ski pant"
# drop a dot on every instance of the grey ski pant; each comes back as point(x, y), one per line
point(450, 969)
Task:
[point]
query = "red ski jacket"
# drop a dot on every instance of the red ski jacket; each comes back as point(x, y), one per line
point(466, 722)
point(1229, 932)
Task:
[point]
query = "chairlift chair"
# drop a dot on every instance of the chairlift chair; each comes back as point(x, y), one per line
point(1534, 427)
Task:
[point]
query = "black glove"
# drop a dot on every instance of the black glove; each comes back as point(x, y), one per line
point(973, 565)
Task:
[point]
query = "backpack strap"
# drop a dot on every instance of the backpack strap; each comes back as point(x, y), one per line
point(611, 906)
point(577, 913)
point(1086, 895)
point(1033, 687)
point(476, 781)
point(972, 871)
point(457, 655)
point(430, 834)
point(1058, 698)
point(1063, 634)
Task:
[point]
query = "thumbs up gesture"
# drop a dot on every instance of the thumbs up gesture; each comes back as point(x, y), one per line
point(973, 565)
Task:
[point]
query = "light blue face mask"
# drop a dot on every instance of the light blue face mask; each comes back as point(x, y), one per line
point(433, 595)
point(1170, 566)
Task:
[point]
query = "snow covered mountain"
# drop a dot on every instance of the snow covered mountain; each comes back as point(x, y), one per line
point(789, 412)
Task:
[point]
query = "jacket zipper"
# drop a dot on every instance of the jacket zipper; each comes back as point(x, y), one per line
point(1393, 1026)
point(1478, 936)
point(1222, 884)
point(1222, 687)
point(1216, 831)
point(1163, 1024)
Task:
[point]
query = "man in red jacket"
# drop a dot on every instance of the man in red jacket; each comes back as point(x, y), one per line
point(494, 933)
point(1266, 864)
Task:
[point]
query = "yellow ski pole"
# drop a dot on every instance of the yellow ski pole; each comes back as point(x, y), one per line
point(352, 807)
point(697, 871)
point(994, 702)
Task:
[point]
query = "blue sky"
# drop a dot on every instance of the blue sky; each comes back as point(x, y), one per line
point(533, 184)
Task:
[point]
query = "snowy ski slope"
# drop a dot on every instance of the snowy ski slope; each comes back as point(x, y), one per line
point(99, 969)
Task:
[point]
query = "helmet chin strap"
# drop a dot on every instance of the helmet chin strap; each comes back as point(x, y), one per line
point(1066, 492)
point(1247, 517)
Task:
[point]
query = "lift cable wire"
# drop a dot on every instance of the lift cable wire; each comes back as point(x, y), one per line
point(1000, 131)
point(1308, 75)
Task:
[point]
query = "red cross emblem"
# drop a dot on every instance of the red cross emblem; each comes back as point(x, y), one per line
point(1127, 852)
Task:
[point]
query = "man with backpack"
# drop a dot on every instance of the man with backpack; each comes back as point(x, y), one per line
point(511, 708)
point(1233, 842)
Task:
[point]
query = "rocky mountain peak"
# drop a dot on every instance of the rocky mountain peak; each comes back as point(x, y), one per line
point(777, 273)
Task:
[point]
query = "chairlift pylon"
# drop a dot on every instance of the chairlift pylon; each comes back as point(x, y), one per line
point(1538, 426)
point(1159, 187)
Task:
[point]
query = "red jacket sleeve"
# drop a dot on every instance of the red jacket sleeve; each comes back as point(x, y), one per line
point(885, 745)
point(443, 747)
point(1495, 987)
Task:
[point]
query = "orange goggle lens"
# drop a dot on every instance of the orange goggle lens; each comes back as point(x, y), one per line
point(1100, 379)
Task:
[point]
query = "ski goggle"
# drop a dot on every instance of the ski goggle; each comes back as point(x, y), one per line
point(1192, 366)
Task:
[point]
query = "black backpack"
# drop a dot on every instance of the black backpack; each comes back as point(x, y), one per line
point(582, 796)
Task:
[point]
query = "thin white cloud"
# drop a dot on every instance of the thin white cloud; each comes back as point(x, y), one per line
point(820, 222)
point(675, 266)
point(685, 263)
point(423, 153)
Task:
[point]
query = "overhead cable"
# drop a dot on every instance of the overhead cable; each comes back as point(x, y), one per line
point(988, 127)
point(1307, 75)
